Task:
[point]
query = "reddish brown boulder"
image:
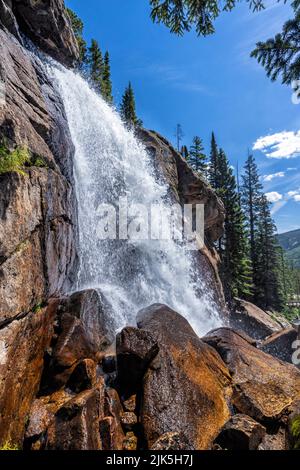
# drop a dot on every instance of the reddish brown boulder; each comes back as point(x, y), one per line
point(275, 441)
point(111, 431)
point(76, 423)
point(241, 433)
point(171, 441)
point(280, 344)
point(22, 346)
point(83, 377)
point(185, 385)
point(263, 386)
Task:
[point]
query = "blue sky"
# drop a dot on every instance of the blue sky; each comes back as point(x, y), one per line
point(207, 84)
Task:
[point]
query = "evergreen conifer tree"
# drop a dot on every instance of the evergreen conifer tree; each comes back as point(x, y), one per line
point(128, 108)
point(185, 153)
point(106, 80)
point(268, 292)
point(197, 157)
point(77, 26)
point(214, 169)
point(251, 193)
point(233, 246)
point(96, 65)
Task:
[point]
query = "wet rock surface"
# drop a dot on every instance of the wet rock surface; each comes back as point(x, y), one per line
point(263, 386)
point(185, 383)
point(241, 433)
point(281, 344)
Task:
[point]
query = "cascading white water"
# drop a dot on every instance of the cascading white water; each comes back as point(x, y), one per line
point(109, 162)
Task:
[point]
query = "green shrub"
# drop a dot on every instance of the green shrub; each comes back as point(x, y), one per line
point(39, 162)
point(13, 161)
point(295, 431)
point(9, 446)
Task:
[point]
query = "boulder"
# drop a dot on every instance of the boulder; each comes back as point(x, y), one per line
point(275, 441)
point(185, 385)
point(69, 346)
point(241, 433)
point(111, 431)
point(93, 310)
point(83, 377)
point(47, 24)
point(294, 426)
point(22, 346)
point(76, 423)
point(171, 441)
point(252, 320)
point(42, 414)
point(280, 344)
point(263, 387)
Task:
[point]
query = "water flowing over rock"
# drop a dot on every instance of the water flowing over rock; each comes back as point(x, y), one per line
point(136, 272)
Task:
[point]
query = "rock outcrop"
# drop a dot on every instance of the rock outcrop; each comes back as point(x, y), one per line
point(253, 320)
point(182, 383)
point(281, 344)
point(263, 387)
point(46, 23)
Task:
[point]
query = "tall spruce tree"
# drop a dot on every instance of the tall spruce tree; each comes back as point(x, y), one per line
point(214, 168)
point(106, 80)
point(280, 56)
point(185, 153)
point(233, 246)
point(128, 108)
point(268, 291)
point(96, 65)
point(197, 157)
point(77, 26)
point(251, 193)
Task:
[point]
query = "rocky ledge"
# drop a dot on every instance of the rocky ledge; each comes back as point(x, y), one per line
point(158, 386)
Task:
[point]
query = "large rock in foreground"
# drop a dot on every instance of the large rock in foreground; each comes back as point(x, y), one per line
point(263, 386)
point(185, 385)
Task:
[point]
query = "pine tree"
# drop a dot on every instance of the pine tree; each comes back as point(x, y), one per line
point(233, 246)
point(106, 80)
point(179, 134)
point(96, 65)
point(185, 153)
point(268, 291)
point(281, 54)
point(214, 170)
point(181, 16)
point(128, 108)
point(251, 193)
point(197, 157)
point(77, 26)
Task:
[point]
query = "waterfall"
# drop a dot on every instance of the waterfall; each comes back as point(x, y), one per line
point(109, 162)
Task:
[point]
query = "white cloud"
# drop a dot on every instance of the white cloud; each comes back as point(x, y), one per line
point(285, 144)
point(274, 196)
point(292, 193)
point(292, 169)
point(280, 174)
point(297, 198)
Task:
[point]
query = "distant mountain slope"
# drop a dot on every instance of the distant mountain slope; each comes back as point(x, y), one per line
point(290, 242)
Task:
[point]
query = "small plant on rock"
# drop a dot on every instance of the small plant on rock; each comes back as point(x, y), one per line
point(13, 161)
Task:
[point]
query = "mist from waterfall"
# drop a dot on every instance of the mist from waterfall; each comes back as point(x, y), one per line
point(110, 162)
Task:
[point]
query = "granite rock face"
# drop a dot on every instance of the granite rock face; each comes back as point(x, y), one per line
point(46, 23)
